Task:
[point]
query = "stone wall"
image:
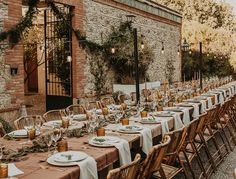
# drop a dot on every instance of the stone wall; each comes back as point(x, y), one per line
point(5, 99)
point(101, 17)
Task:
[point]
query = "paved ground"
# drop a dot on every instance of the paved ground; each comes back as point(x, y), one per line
point(225, 170)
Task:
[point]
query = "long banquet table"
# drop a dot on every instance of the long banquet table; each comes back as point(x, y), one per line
point(34, 168)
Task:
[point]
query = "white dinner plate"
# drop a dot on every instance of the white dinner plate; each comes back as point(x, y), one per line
point(105, 141)
point(130, 129)
point(53, 123)
point(22, 133)
point(58, 160)
point(149, 120)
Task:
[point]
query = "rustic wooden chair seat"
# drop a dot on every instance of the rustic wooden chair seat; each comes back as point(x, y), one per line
point(19, 123)
point(127, 171)
point(56, 114)
point(169, 171)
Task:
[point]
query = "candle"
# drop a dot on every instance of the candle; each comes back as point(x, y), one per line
point(164, 86)
point(31, 133)
point(62, 146)
point(125, 121)
point(65, 122)
point(100, 131)
point(3, 170)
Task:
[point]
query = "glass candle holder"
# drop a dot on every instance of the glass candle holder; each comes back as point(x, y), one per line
point(143, 114)
point(125, 121)
point(159, 108)
point(3, 170)
point(105, 111)
point(31, 133)
point(65, 122)
point(100, 131)
point(62, 146)
point(123, 106)
point(170, 104)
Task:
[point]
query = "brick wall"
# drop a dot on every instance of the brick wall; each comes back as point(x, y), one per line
point(11, 88)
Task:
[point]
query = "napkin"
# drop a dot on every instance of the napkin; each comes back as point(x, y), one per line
point(79, 117)
point(195, 110)
point(164, 125)
point(177, 121)
point(209, 102)
point(147, 139)
point(88, 168)
point(13, 170)
point(203, 107)
point(124, 151)
point(186, 116)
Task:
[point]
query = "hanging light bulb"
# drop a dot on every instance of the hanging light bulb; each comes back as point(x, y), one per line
point(178, 52)
point(142, 45)
point(162, 48)
point(208, 54)
point(113, 50)
point(190, 52)
point(69, 59)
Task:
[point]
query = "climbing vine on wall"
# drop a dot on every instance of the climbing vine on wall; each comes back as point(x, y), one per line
point(122, 62)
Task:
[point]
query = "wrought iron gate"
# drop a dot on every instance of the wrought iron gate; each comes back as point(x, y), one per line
point(58, 67)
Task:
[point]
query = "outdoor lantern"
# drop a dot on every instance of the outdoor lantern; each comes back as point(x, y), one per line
point(142, 45)
point(14, 69)
point(69, 59)
point(185, 46)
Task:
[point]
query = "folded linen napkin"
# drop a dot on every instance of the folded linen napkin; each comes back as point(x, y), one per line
point(124, 151)
point(88, 168)
point(13, 170)
point(203, 107)
point(177, 121)
point(79, 117)
point(147, 139)
point(209, 101)
point(195, 110)
point(186, 116)
point(164, 125)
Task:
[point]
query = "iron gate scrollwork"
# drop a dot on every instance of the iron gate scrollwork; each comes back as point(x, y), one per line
point(58, 67)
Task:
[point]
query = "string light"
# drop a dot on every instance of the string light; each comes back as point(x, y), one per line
point(113, 50)
point(178, 52)
point(162, 48)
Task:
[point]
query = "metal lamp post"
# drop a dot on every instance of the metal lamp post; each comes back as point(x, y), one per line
point(130, 18)
point(185, 48)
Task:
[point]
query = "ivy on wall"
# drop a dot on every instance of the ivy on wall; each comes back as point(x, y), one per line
point(122, 62)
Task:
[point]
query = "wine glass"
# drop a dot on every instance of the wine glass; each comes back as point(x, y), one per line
point(93, 122)
point(1, 151)
point(118, 116)
point(48, 140)
point(71, 116)
point(56, 135)
point(38, 123)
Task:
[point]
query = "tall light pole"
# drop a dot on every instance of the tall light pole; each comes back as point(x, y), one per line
point(200, 66)
point(185, 48)
point(130, 18)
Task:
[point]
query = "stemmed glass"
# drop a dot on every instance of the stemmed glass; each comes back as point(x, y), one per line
point(93, 122)
point(48, 141)
point(37, 124)
point(28, 125)
point(118, 116)
point(56, 135)
point(1, 151)
point(71, 116)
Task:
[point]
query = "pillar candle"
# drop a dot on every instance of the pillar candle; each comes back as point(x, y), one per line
point(164, 86)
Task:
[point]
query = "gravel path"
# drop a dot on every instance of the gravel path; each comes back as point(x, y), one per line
point(226, 168)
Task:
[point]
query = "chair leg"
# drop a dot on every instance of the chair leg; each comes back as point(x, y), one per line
point(199, 160)
point(208, 152)
point(189, 165)
point(162, 173)
point(226, 138)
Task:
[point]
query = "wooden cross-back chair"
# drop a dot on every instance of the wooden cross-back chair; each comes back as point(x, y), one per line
point(2, 130)
point(56, 114)
point(128, 171)
point(190, 149)
point(19, 123)
point(172, 154)
point(107, 101)
point(93, 105)
point(76, 109)
point(153, 163)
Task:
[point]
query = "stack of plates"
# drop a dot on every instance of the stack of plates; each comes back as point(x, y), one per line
point(21, 133)
point(68, 158)
point(105, 141)
point(130, 129)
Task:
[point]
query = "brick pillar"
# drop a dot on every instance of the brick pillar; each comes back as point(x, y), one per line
point(14, 56)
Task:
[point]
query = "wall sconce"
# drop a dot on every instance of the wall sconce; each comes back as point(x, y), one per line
point(14, 69)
